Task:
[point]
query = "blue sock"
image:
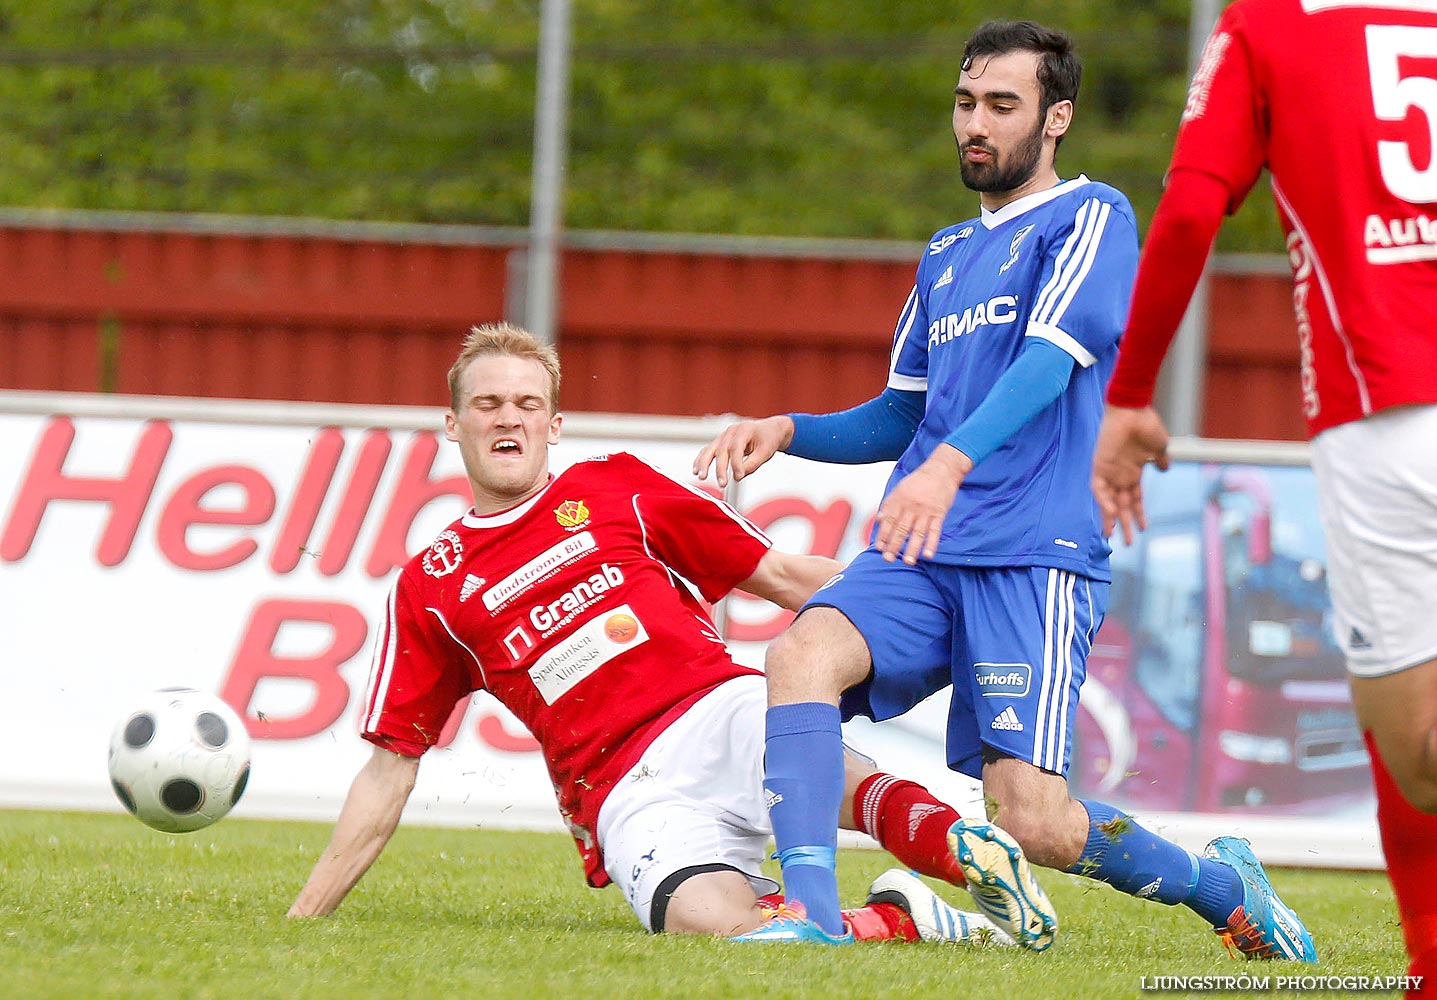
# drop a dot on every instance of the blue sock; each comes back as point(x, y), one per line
point(1140, 863)
point(803, 783)
point(1218, 892)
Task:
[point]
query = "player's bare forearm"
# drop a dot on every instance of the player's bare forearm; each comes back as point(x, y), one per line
point(366, 822)
point(788, 579)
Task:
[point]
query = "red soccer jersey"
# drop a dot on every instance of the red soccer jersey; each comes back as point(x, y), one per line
point(569, 610)
point(1338, 98)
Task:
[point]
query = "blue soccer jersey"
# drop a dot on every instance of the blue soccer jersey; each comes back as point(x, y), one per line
point(1059, 265)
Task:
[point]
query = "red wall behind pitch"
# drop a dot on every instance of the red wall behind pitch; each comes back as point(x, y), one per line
point(1252, 388)
point(374, 318)
point(247, 316)
point(695, 334)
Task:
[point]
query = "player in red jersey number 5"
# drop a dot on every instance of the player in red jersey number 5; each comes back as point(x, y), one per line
point(1338, 100)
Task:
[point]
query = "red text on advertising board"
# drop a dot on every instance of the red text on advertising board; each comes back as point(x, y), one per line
point(280, 522)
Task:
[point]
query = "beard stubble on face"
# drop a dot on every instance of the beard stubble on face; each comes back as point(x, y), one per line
point(996, 175)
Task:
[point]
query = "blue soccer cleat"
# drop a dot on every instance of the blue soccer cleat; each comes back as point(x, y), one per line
point(1263, 926)
point(934, 919)
point(1002, 884)
point(789, 924)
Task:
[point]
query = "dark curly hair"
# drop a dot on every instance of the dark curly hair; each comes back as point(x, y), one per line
point(1059, 71)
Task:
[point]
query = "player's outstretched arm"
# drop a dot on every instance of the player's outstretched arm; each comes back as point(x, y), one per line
point(742, 447)
point(367, 821)
point(788, 579)
point(1127, 440)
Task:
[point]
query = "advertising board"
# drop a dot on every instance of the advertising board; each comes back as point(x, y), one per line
point(247, 549)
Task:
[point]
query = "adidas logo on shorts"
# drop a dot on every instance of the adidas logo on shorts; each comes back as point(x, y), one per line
point(1008, 719)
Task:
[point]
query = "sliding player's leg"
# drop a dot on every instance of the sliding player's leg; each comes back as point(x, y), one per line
point(684, 833)
point(905, 818)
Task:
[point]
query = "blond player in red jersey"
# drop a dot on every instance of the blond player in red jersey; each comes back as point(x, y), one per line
point(1338, 100)
point(563, 597)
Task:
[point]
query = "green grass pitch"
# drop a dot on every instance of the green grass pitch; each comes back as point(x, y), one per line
point(96, 906)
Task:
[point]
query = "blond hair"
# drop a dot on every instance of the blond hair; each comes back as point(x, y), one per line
point(507, 340)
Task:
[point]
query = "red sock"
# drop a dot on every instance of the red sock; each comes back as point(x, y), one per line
point(880, 922)
point(1409, 840)
point(909, 823)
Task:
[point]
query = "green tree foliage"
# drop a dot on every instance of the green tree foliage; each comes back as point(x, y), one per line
point(763, 117)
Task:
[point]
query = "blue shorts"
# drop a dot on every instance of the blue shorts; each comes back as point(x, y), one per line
point(1012, 640)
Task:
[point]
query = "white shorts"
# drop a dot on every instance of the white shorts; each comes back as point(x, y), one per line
point(1377, 489)
point(693, 801)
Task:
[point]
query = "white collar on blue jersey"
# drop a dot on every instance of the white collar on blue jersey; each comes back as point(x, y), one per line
point(1010, 211)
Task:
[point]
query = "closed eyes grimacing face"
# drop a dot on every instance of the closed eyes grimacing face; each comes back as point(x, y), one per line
point(504, 428)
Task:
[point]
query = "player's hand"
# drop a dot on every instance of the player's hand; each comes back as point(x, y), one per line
point(743, 447)
point(1128, 439)
point(910, 521)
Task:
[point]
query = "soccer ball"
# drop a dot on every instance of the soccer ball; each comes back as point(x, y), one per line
point(179, 760)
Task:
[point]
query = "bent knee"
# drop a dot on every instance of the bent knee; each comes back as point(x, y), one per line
point(817, 658)
point(785, 652)
point(719, 902)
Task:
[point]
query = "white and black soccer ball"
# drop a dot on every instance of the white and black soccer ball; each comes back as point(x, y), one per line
point(179, 760)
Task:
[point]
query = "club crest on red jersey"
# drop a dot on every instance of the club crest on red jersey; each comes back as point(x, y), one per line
point(572, 515)
point(442, 556)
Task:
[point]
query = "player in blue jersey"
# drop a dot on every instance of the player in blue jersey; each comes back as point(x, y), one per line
point(989, 569)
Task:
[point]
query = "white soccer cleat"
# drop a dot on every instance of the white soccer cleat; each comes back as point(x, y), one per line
point(934, 918)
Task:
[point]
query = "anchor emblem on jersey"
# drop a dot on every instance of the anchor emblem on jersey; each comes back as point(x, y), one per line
point(443, 554)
